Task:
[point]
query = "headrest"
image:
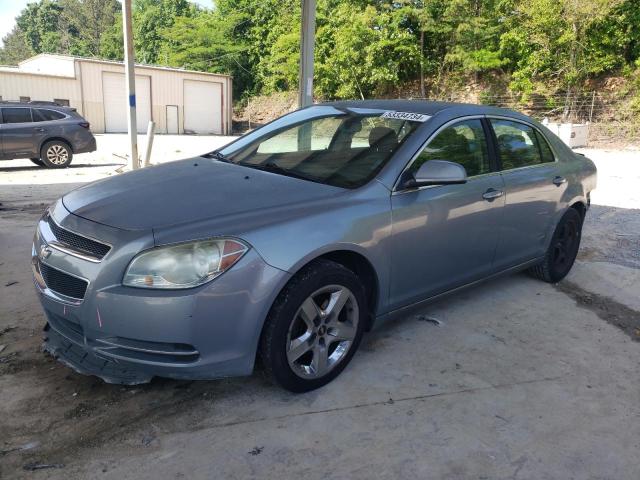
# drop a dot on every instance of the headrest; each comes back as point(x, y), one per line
point(383, 139)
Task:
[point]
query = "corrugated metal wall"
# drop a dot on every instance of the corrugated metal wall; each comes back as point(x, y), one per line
point(166, 89)
point(84, 92)
point(14, 85)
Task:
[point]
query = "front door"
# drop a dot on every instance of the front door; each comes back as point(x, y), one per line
point(533, 188)
point(446, 236)
point(18, 133)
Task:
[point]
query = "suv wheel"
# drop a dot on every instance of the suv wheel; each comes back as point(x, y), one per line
point(56, 154)
point(37, 161)
point(314, 327)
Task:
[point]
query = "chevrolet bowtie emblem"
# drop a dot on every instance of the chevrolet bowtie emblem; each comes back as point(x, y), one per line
point(45, 252)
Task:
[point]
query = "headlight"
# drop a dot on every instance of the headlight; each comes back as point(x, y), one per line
point(183, 265)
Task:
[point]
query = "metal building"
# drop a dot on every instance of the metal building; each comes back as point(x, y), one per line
point(178, 101)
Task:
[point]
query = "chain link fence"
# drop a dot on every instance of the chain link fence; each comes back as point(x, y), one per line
point(611, 120)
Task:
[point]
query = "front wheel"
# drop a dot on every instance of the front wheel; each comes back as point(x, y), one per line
point(562, 250)
point(56, 154)
point(37, 161)
point(314, 327)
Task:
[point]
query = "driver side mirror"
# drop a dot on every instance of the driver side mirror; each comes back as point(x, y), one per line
point(434, 172)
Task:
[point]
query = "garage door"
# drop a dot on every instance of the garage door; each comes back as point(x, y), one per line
point(202, 107)
point(114, 93)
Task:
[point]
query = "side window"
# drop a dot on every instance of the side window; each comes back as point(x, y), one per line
point(16, 115)
point(545, 149)
point(517, 144)
point(463, 143)
point(44, 115)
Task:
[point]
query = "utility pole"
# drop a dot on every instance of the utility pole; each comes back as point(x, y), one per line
point(307, 45)
point(130, 74)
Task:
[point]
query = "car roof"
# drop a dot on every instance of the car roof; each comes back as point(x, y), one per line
point(427, 107)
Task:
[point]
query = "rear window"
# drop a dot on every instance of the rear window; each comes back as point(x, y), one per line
point(16, 115)
point(45, 115)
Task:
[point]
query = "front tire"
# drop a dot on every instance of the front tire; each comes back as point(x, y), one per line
point(37, 161)
point(56, 154)
point(562, 250)
point(314, 327)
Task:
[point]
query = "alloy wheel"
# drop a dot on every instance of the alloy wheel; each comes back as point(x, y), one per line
point(57, 154)
point(322, 331)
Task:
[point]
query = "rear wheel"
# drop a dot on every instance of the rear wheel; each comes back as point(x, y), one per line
point(562, 250)
point(56, 154)
point(37, 161)
point(314, 327)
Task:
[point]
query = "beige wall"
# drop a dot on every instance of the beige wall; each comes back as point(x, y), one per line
point(166, 89)
point(49, 64)
point(84, 92)
point(14, 84)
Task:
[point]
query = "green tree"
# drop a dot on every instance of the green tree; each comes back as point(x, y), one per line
point(15, 47)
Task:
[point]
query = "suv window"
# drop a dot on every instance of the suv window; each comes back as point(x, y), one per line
point(518, 145)
point(464, 143)
point(45, 115)
point(16, 115)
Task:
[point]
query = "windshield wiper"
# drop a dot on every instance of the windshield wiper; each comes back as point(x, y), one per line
point(273, 168)
point(218, 156)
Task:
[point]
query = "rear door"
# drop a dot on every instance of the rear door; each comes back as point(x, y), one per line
point(445, 236)
point(533, 188)
point(18, 133)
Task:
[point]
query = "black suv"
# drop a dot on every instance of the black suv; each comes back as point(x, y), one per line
point(45, 132)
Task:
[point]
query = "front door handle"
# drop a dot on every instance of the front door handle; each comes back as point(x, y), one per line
point(557, 181)
point(491, 194)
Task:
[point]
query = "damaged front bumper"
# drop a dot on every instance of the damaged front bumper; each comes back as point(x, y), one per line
point(126, 335)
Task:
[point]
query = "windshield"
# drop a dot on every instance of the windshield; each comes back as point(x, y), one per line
point(336, 146)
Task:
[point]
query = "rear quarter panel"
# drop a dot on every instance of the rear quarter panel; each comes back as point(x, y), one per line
point(581, 175)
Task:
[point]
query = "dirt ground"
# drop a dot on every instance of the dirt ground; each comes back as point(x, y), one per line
point(519, 380)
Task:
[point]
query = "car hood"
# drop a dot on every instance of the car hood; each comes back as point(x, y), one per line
point(188, 191)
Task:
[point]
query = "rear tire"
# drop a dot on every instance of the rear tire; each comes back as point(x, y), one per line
point(56, 154)
point(37, 161)
point(562, 250)
point(314, 327)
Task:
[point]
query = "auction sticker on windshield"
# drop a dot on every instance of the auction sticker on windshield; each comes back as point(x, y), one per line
point(414, 117)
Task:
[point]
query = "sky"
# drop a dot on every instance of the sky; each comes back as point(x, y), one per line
point(9, 9)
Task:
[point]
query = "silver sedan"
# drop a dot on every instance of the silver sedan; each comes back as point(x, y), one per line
point(291, 242)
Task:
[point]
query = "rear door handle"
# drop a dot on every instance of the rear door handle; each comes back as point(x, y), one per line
point(557, 181)
point(491, 194)
point(40, 129)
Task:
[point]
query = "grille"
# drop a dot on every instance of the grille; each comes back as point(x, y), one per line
point(63, 283)
point(78, 243)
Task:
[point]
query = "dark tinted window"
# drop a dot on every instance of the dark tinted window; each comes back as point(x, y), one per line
point(517, 143)
point(43, 115)
point(463, 143)
point(16, 115)
point(545, 149)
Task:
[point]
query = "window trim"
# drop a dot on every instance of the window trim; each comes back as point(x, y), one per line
point(492, 160)
point(497, 148)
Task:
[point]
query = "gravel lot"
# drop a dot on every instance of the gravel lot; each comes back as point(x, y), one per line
point(522, 380)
